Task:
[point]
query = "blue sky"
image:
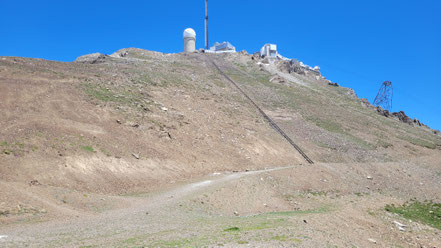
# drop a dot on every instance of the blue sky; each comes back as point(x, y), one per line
point(358, 44)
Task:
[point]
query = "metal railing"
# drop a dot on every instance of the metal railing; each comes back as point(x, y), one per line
point(267, 118)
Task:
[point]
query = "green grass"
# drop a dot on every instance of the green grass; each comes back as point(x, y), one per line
point(4, 143)
point(130, 96)
point(285, 238)
point(328, 125)
point(361, 194)
point(232, 229)
point(101, 93)
point(420, 142)
point(426, 212)
point(280, 238)
point(88, 148)
point(317, 193)
point(323, 209)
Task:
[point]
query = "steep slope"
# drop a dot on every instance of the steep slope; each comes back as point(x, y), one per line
point(73, 135)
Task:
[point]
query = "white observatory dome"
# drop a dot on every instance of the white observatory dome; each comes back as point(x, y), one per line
point(189, 33)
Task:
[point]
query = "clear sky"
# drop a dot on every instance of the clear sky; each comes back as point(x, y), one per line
point(358, 44)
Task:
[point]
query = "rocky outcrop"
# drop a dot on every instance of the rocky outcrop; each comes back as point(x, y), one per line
point(290, 66)
point(93, 58)
point(277, 79)
point(403, 117)
point(383, 112)
point(365, 102)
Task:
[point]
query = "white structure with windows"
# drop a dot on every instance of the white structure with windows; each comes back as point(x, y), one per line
point(224, 47)
point(269, 50)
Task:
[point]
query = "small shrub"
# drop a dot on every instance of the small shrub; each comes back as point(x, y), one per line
point(232, 229)
point(88, 148)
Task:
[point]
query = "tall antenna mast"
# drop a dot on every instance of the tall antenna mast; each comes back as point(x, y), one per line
point(206, 24)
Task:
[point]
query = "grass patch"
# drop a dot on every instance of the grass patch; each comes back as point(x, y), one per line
point(185, 242)
point(384, 144)
point(280, 238)
point(124, 96)
point(361, 194)
point(284, 238)
point(324, 145)
point(420, 142)
point(426, 212)
point(232, 229)
point(4, 143)
point(323, 209)
point(88, 148)
point(317, 193)
point(100, 93)
point(328, 125)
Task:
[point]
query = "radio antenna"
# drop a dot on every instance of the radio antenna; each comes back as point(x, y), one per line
point(206, 24)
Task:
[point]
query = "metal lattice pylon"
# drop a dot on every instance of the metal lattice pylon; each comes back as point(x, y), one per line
point(384, 96)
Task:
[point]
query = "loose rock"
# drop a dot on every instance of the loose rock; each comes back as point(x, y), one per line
point(372, 241)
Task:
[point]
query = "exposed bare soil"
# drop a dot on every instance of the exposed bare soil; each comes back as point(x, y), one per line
point(153, 150)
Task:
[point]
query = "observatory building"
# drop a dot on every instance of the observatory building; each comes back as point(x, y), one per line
point(189, 40)
point(224, 47)
point(269, 50)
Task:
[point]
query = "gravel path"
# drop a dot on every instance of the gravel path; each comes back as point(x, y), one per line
point(147, 214)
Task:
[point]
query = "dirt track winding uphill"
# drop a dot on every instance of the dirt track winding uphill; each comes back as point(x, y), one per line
point(115, 224)
point(298, 206)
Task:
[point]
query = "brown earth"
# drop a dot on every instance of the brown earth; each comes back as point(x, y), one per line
point(80, 142)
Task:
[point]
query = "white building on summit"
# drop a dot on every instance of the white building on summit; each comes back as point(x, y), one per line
point(269, 50)
point(189, 40)
point(223, 47)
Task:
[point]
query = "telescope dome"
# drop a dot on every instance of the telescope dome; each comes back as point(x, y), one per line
point(189, 33)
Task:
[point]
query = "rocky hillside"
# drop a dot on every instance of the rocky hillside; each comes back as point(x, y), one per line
point(137, 120)
point(119, 122)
